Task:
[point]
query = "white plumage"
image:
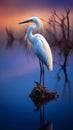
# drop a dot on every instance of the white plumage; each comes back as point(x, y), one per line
point(39, 43)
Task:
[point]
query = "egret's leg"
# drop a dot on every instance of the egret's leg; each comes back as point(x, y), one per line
point(43, 74)
point(40, 71)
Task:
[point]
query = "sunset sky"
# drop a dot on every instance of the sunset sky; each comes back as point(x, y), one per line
point(11, 12)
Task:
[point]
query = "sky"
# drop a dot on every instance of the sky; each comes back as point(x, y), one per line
point(13, 11)
point(36, 3)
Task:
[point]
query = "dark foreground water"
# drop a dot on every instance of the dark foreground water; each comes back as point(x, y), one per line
point(17, 110)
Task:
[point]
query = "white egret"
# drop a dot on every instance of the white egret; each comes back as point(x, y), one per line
point(39, 43)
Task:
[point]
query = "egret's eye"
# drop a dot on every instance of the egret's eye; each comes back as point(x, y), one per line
point(31, 20)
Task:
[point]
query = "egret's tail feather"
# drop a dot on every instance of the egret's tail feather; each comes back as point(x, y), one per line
point(50, 68)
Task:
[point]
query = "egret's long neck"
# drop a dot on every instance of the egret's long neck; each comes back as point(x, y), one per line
point(31, 29)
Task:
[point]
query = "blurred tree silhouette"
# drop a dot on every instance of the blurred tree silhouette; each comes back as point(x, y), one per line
point(21, 40)
point(60, 35)
point(10, 37)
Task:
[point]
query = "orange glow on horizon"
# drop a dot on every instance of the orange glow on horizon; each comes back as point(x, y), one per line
point(11, 19)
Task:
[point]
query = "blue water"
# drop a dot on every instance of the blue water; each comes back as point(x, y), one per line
point(17, 111)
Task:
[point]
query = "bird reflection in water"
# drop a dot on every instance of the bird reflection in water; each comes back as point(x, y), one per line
point(40, 106)
point(43, 125)
point(40, 100)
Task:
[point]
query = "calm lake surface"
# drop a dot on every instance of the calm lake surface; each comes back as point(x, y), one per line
point(17, 111)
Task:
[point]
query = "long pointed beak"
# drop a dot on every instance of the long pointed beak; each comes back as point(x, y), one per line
point(26, 21)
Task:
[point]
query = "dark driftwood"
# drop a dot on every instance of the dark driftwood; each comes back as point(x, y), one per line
point(41, 95)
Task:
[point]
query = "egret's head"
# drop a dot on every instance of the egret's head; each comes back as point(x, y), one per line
point(32, 20)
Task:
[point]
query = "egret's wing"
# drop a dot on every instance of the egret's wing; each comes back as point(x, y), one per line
point(43, 51)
